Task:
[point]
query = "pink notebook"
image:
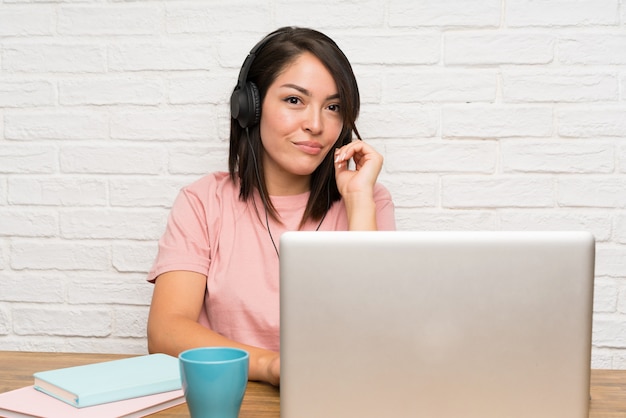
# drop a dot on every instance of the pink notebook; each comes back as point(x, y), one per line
point(28, 402)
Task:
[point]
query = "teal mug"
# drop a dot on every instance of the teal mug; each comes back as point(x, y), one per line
point(214, 380)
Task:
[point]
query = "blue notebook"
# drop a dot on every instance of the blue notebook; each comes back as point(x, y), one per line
point(98, 383)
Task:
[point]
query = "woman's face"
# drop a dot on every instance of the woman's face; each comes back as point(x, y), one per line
point(300, 123)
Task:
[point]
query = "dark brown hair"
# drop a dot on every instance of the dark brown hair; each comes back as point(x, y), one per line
point(282, 49)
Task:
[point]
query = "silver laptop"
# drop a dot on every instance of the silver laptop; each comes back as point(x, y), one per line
point(436, 324)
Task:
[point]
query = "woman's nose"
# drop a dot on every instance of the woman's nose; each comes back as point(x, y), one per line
point(313, 121)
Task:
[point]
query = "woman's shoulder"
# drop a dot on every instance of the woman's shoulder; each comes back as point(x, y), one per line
point(211, 191)
point(217, 182)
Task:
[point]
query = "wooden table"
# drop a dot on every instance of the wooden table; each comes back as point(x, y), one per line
point(17, 368)
point(608, 387)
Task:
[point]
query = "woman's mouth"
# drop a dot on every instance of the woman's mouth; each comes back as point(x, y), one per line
point(309, 147)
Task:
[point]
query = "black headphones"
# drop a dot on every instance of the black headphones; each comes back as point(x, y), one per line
point(245, 102)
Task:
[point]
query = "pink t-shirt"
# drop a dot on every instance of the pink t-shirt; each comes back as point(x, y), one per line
point(212, 232)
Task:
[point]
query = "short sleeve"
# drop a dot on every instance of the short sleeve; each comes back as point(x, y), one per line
point(185, 243)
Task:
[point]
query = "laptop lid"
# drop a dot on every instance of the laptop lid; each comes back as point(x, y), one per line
point(436, 324)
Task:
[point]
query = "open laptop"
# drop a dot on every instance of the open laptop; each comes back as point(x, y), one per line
point(436, 324)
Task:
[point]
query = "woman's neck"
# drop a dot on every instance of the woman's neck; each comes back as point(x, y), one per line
point(286, 185)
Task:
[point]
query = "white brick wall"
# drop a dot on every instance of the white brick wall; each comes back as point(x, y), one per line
point(491, 114)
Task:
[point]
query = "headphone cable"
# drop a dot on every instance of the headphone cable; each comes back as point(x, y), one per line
point(261, 192)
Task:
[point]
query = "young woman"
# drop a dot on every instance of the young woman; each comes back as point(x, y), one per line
point(216, 274)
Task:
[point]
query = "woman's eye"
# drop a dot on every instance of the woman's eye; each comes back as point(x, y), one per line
point(334, 107)
point(292, 100)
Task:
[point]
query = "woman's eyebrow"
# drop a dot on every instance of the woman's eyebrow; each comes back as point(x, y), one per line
point(307, 92)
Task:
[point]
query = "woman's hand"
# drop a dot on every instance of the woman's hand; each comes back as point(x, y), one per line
point(271, 366)
point(367, 165)
point(357, 186)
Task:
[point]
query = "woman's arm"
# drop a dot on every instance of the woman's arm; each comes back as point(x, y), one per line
point(173, 324)
point(357, 186)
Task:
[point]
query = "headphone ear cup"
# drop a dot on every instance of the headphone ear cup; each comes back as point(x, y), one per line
point(255, 103)
point(245, 105)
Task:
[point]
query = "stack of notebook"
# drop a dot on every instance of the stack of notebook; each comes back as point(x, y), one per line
point(131, 387)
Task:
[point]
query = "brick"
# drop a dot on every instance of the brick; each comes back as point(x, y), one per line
point(496, 121)
point(4, 254)
point(20, 222)
point(593, 192)
point(621, 156)
point(440, 86)
point(57, 191)
point(34, 343)
point(27, 21)
point(136, 257)
point(363, 14)
point(57, 321)
point(106, 345)
point(592, 48)
point(605, 296)
point(124, 19)
point(159, 56)
point(57, 124)
point(524, 13)
point(383, 121)
point(29, 287)
point(198, 160)
point(441, 220)
point(201, 17)
point(169, 125)
point(482, 13)
point(111, 224)
point(54, 58)
point(410, 48)
point(417, 192)
point(37, 254)
point(620, 228)
point(231, 49)
point(559, 86)
point(497, 47)
point(5, 321)
point(107, 90)
point(3, 191)
point(591, 122)
point(213, 89)
point(621, 304)
point(31, 159)
point(370, 86)
point(19, 94)
point(114, 290)
point(145, 192)
point(619, 360)
point(609, 331)
point(112, 159)
point(131, 321)
point(557, 156)
point(596, 221)
point(611, 261)
point(602, 358)
point(222, 114)
point(501, 192)
point(442, 157)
